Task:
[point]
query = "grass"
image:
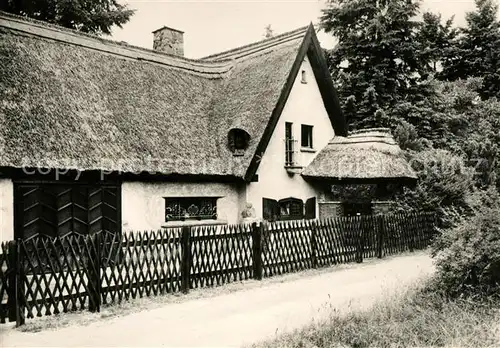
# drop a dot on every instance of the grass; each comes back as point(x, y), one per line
point(413, 317)
point(148, 303)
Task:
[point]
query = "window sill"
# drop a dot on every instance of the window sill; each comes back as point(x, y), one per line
point(294, 169)
point(307, 149)
point(170, 224)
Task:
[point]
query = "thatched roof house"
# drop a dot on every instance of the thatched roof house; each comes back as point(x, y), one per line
point(363, 156)
point(148, 138)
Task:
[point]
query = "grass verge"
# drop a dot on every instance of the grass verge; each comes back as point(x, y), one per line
point(413, 317)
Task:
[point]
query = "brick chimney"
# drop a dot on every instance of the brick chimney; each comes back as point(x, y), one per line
point(168, 40)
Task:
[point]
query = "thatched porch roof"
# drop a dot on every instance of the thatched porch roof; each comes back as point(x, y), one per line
point(364, 155)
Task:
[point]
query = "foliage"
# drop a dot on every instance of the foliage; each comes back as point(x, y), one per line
point(468, 255)
point(457, 120)
point(476, 51)
point(436, 38)
point(89, 16)
point(407, 137)
point(444, 182)
point(390, 89)
point(415, 317)
point(467, 125)
point(377, 63)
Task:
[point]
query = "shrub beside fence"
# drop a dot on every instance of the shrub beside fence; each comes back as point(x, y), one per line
point(43, 276)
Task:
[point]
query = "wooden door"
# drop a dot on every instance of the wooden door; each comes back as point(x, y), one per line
point(58, 209)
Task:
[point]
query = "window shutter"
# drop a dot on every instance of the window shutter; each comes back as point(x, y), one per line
point(311, 208)
point(270, 209)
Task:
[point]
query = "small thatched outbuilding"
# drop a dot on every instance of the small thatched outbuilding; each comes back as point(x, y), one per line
point(361, 172)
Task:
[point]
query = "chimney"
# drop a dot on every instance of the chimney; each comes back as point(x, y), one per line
point(168, 40)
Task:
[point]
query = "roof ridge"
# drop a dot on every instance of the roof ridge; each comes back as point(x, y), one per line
point(258, 45)
point(368, 130)
point(69, 36)
point(123, 44)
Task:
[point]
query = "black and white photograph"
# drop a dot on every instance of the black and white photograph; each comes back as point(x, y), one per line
point(250, 173)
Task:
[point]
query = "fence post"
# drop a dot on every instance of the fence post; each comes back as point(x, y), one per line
point(314, 245)
point(19, 262)
point(381, 236)
point(186, 258)
point(257, 230)
point(94, 272)
point(360, 240)
point(98, 269)
point(411, 238)
point(430, 225)
point(12, 280)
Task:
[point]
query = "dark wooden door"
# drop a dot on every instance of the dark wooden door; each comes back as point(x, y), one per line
point(59, 209)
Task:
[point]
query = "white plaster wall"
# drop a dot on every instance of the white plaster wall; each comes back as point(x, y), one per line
point(143, 204)
point(304, 106)
point(6, 210)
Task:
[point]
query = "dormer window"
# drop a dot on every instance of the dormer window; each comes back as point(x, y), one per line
point(238, 140)
point(304, 77)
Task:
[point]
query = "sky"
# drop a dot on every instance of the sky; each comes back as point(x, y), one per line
point(212, 26)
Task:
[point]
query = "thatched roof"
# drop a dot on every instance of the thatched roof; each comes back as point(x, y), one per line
point(70, 100)
point(367, 154)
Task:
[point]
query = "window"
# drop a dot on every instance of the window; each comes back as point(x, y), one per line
point(291, 209)
point(289, 142)
point(306, 136)
point(285, 209)
point(190, 208)
point(304, 77)
point(238, 140)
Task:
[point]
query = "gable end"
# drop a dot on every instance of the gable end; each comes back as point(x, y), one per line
point(310, 46)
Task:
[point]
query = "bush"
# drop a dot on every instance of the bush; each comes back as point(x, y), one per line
point(444, 183)
point(468, 254)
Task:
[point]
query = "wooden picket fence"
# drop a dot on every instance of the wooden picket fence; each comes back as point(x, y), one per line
point(43, 276)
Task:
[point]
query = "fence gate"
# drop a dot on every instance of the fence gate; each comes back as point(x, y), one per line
point(61, 208)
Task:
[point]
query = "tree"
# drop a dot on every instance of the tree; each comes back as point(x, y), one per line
point(457, 120)
point(469, 126)
point(269, 32)
point(476, 52)
point(89, 16)
point(436, 38)
point(377, 63)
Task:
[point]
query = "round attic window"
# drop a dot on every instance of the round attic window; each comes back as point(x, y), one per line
point(238, 140)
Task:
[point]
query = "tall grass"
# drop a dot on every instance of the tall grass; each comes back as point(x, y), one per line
point(414, 317)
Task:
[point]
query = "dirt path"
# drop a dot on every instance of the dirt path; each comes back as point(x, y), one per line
point(242, 317)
